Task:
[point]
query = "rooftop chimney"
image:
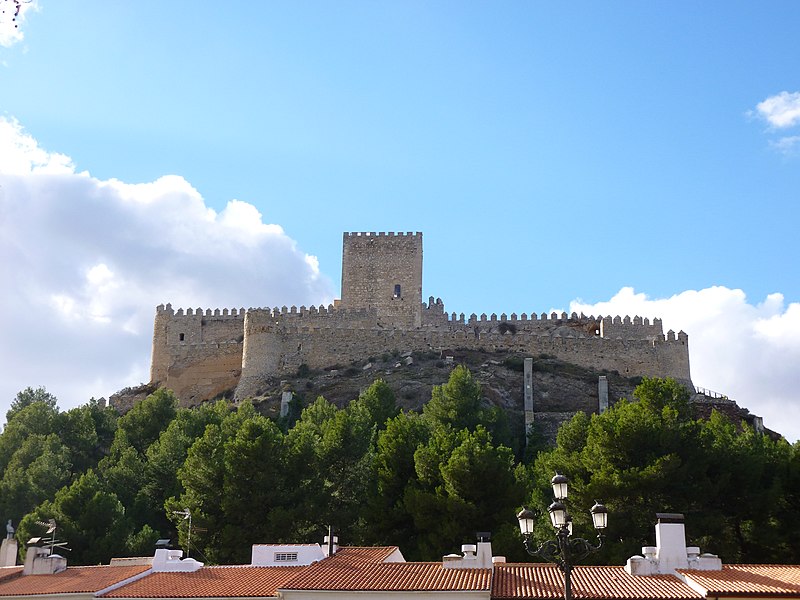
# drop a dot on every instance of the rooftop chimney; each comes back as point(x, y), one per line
point(475, 556)
point(670, 552)
point(39, 561)
point(170, 561)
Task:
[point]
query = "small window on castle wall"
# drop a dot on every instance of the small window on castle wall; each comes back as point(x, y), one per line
point(397, 290)
point(182, 336)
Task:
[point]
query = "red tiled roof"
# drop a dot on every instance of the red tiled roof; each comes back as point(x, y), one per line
point(72, 580)
point(209, 582)
point(8, 572)
point(343, 574)
point(748, 580)
point(365, 553)
point(546, 582)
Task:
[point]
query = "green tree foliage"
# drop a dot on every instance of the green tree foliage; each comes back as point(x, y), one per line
point(87, 431)
point(30, 396)
point(650, 456)
point(426, 482)
point(90, 518)
point(38, 469)
point(456, 403)
point(38, 418)
point(394, 470)
point(144, 422)
point(167, 454)
point(380, 403)
point(125, 470)
point(464, 483)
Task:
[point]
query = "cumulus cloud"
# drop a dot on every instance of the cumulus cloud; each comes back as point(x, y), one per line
point(786, 145)
point(84, 262)
point(782, 110)
point(12, 18)
point(747, 351)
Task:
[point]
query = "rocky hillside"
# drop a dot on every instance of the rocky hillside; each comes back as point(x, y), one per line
point(559, 388)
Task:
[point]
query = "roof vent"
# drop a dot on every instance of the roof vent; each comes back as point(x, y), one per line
point(170, 561)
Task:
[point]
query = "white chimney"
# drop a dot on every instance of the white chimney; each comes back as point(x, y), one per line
point(670, 542)
point(670, 552)
point(39, 561)
point(475, 556)
point(170, 561)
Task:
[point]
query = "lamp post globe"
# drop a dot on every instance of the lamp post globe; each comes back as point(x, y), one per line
point(599, 516)
point(527, 520)
point(560, 486)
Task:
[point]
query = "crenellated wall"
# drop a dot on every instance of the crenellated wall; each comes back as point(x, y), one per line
point(278, 342)
point(196, 353)
point(200, 354)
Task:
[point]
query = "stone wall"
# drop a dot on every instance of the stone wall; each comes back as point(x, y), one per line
point(200, 354)
point(278, 343)
point(196, 353)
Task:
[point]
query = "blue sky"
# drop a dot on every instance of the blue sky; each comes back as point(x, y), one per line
point(615, 157)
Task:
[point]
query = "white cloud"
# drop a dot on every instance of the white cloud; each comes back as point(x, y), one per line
point(749, 352)
point(782, 110)
point(12, 18)
point(21, 155)
point(84, 263)
point(786, 145)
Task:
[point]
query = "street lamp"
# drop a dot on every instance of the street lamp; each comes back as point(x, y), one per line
point(564, 550)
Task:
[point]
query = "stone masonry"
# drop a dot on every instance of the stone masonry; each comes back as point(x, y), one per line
point(201, 354)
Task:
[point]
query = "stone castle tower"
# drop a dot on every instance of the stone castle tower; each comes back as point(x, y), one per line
point(384, 273)
point(201, 354)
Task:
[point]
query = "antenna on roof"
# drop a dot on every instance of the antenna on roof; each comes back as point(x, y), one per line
point(186, 515)
point(51, 529)
point(51, 525)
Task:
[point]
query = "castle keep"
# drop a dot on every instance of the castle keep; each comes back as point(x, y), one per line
point(200, 354)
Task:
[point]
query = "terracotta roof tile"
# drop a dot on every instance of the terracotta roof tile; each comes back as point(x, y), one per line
point(213, 582)
point(72, 580)
point(347, 575)
point(748, 580)
point(9, 572)
point(546, 582)
point(365, 553)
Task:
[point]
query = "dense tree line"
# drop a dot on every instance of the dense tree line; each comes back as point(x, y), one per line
point(424, 481)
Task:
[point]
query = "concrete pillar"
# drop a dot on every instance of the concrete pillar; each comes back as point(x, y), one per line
point(286, 397)
point(602, 393)
point(528, 383)
point(8, 553)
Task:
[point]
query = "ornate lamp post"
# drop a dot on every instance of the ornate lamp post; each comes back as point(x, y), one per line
point(564, 550)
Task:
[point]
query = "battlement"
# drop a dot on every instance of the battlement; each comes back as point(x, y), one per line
point(626, 327)
point(168, 311)
point(410, 234)
point(355, 318)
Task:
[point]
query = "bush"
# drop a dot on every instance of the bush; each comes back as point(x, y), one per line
point(515, 363)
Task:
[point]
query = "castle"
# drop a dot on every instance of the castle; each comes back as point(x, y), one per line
point(201, 354)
